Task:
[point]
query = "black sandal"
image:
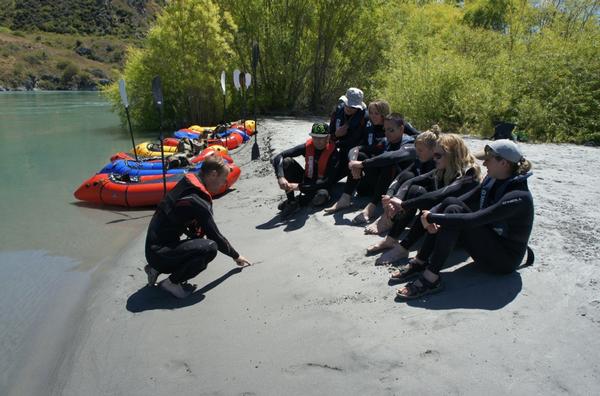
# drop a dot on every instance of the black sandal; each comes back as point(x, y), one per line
point(424, 289)
point(410, 270)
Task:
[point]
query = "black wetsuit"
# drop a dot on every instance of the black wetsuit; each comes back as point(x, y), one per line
point(417, 168)
point(184, 210)
point(492, 222)
point(355, 134)
point(380, 170)
point(424, 192)
point(286, 166)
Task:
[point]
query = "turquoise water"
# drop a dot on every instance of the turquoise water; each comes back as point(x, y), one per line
point(51, 142)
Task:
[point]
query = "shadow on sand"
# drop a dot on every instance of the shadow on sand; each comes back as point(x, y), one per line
point(471, 287)
point(150, 297)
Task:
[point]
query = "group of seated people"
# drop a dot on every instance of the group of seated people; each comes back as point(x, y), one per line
point(428, 182)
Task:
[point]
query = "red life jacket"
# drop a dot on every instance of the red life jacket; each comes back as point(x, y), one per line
point(309, 166)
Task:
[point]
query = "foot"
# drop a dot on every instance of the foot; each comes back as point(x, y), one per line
point(152, 275)
point(380, 226)
point(419, 288)
point(396, 253)
point(320, 198)
point(384, 244)
point(176, 289)
point(410, 270)
point(342, 203)
point(290, 208)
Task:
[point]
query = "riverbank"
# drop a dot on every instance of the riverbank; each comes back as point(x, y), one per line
point(315, 316)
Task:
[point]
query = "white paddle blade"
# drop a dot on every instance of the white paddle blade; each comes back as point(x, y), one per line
point(248, 80)
point(236, 79)
point(123, 93)
point(223, 81)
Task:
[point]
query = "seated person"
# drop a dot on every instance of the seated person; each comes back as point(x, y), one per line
point(347, 126)
point(425, 143)
point(492, 223)
point(187, 209)
point(456, 172)
point(318, 175)
point(379, 170)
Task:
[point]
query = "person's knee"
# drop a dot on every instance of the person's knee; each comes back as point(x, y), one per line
point(454, 208)
point(415, 191)
point(287, 161)
point(211, 250)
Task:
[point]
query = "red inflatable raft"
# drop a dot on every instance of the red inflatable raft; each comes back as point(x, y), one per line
point(110, 189)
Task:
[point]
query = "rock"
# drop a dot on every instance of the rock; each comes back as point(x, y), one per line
point(83, 51)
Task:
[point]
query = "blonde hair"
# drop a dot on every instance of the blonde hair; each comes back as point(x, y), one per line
point(430, 137)
point(381, 106)
point(459, 158)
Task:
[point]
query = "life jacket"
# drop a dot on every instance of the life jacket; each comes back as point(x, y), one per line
point(189, 184)
point(309, 167)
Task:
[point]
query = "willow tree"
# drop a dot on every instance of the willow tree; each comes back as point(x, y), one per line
point(189, 45)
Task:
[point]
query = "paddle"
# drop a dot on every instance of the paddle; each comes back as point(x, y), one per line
point(125, 102)
point(236, 79)
point(158, 102)
point(223, 89)
point(255, 55)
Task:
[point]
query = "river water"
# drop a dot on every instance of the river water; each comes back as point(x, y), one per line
point(50, 245)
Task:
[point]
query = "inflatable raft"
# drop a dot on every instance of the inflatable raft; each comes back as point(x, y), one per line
point(132, 191)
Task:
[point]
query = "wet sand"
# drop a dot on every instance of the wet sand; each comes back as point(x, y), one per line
point(315, 316)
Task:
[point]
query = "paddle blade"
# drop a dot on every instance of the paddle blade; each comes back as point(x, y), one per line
point(236, 79)
point(248, 79)
point(223, 81)
point(157, 92)
point(255, 55)
point(123, 93)
point(255, 150)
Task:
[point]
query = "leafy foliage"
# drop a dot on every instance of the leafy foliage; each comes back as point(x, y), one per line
point(188, 46)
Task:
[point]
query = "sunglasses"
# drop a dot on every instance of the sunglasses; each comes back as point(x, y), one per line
point(438, 156)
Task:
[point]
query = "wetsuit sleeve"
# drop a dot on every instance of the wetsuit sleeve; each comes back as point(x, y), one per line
point(429, 199)
point(199, 210)
point(512, 204)
point(403, 154)
point(277, 161)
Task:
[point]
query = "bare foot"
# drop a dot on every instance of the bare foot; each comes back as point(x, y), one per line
point(380, 226)
point(396, 253)
point(342, 203)
point(385, 243)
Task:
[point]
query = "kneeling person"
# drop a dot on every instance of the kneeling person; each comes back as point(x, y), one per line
point(187, 209)
point(318, 175)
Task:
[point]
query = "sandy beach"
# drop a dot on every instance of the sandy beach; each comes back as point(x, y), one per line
point(314, 316)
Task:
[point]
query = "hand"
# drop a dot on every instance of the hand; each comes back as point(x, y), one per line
point(433, 228)
point(294, 186)
point(283, 184)
point(242, 261)
point(385, 199)
point(341, 131)
point(355, 165)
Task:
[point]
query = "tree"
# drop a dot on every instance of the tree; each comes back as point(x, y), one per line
point(188, 47)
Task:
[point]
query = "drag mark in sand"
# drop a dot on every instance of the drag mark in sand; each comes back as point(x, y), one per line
point(304, 366)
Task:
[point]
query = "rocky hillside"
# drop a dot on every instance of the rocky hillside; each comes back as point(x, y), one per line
point(68, 45)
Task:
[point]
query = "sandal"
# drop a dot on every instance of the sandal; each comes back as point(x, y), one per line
point(416, 291)
point(360, 219)
point(410, 270)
